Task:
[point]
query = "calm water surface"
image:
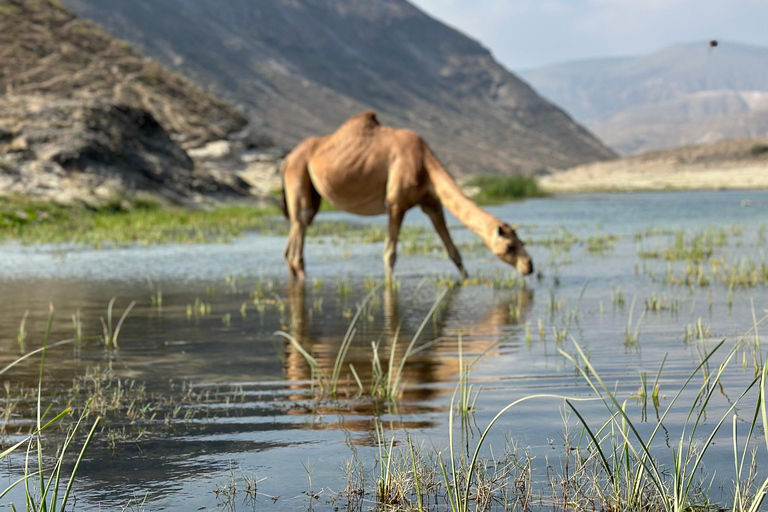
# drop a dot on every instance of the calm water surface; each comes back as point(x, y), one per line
point(202, 389)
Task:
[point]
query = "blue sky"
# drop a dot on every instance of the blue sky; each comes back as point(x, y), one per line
point(531, 33)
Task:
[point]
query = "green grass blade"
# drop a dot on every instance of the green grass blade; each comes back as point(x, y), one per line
point(35, 352)
point(311, 361)
point(347, 341)
point(77, 464)
point(595, 441)
point(17, 482)
point(408, 351)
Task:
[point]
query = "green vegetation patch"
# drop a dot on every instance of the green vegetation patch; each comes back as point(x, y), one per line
point(141, 221)
point(500, 189)
point(758, 149)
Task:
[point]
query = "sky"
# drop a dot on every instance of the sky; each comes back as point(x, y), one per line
point(525, 34)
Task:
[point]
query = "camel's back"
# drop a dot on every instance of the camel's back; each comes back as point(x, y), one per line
point(351, 166)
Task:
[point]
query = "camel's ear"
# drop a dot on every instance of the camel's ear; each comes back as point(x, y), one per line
point(515, 227)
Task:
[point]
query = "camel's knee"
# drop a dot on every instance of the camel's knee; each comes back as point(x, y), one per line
point(306, 215)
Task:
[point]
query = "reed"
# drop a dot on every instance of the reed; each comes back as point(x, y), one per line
point(110, 335)
point(636, 477)
point(47, 495)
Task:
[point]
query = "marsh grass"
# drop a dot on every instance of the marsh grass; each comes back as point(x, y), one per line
point(110, 334)
point(607, 467)
point(143, 223)
point(632, 335)
point(500, 189)
point(610, 467)
point(325, 383)
point(386, 384)
point(635, 478)
point(21, 335)
point(43, 485)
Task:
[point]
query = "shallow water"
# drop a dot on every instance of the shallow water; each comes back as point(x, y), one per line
point(224, 395)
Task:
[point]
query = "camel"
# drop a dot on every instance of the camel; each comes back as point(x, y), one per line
point(366, 168)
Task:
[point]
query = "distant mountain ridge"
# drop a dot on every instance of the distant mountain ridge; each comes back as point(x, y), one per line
point(301, 67)
point(661, 100)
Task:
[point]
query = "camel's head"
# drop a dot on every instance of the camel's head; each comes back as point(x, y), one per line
point(510, 249)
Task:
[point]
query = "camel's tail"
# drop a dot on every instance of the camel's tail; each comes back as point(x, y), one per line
point(299, 164)
point(283, 202)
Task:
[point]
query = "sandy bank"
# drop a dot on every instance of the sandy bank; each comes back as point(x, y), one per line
point(726, 164)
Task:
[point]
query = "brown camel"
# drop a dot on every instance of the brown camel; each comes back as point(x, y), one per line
point(369, 169)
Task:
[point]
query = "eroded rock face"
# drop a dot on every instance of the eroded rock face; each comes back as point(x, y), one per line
point(83, 117)
point(45, 49)
point(93, 150)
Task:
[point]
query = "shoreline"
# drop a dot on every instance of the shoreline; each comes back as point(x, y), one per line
point(633, 182)
point(725, 165)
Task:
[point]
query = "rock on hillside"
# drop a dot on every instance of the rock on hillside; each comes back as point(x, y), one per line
point(681, 95)
point(83, 116)
point(93, 151)
point(46, 49)
point(301, 67)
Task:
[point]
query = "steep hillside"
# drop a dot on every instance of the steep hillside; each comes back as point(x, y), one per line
point(684, 94)
point(83, 116)
point(301, 67)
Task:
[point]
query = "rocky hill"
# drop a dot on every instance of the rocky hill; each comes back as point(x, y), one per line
point(301, 67)
point(83, 116)
point(685, 94)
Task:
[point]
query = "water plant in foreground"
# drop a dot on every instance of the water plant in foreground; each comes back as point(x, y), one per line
point(43, 488)
point(636, 479)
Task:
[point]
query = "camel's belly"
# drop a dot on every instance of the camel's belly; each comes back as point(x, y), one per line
point(360, 193)
point(359, 205)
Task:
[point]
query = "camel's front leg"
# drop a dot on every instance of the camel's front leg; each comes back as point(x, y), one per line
point(436, 215)
point(396, 215)
point(294, 250)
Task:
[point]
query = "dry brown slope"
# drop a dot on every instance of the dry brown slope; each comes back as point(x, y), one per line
point(302, 67)
point(44, 49)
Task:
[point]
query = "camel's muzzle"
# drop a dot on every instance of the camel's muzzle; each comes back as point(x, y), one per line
point(525, 266)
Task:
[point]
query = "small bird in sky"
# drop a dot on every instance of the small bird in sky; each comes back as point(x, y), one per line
point(713, 43)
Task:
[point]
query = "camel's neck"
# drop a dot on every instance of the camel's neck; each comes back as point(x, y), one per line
point(463, 208)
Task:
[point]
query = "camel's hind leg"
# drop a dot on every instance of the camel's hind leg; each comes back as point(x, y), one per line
point(434, 209)
point(302, 203)
point(396, 215)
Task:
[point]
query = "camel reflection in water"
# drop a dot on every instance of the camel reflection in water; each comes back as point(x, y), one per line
point(438, 363)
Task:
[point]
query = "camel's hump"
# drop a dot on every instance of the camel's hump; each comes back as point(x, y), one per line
point(367, 118)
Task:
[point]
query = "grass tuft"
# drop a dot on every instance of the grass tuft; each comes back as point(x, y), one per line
point(499, 189)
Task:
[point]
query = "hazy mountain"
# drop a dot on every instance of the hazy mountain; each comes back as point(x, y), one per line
point(83, 116)
point(683, 94)
point(300, 67)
